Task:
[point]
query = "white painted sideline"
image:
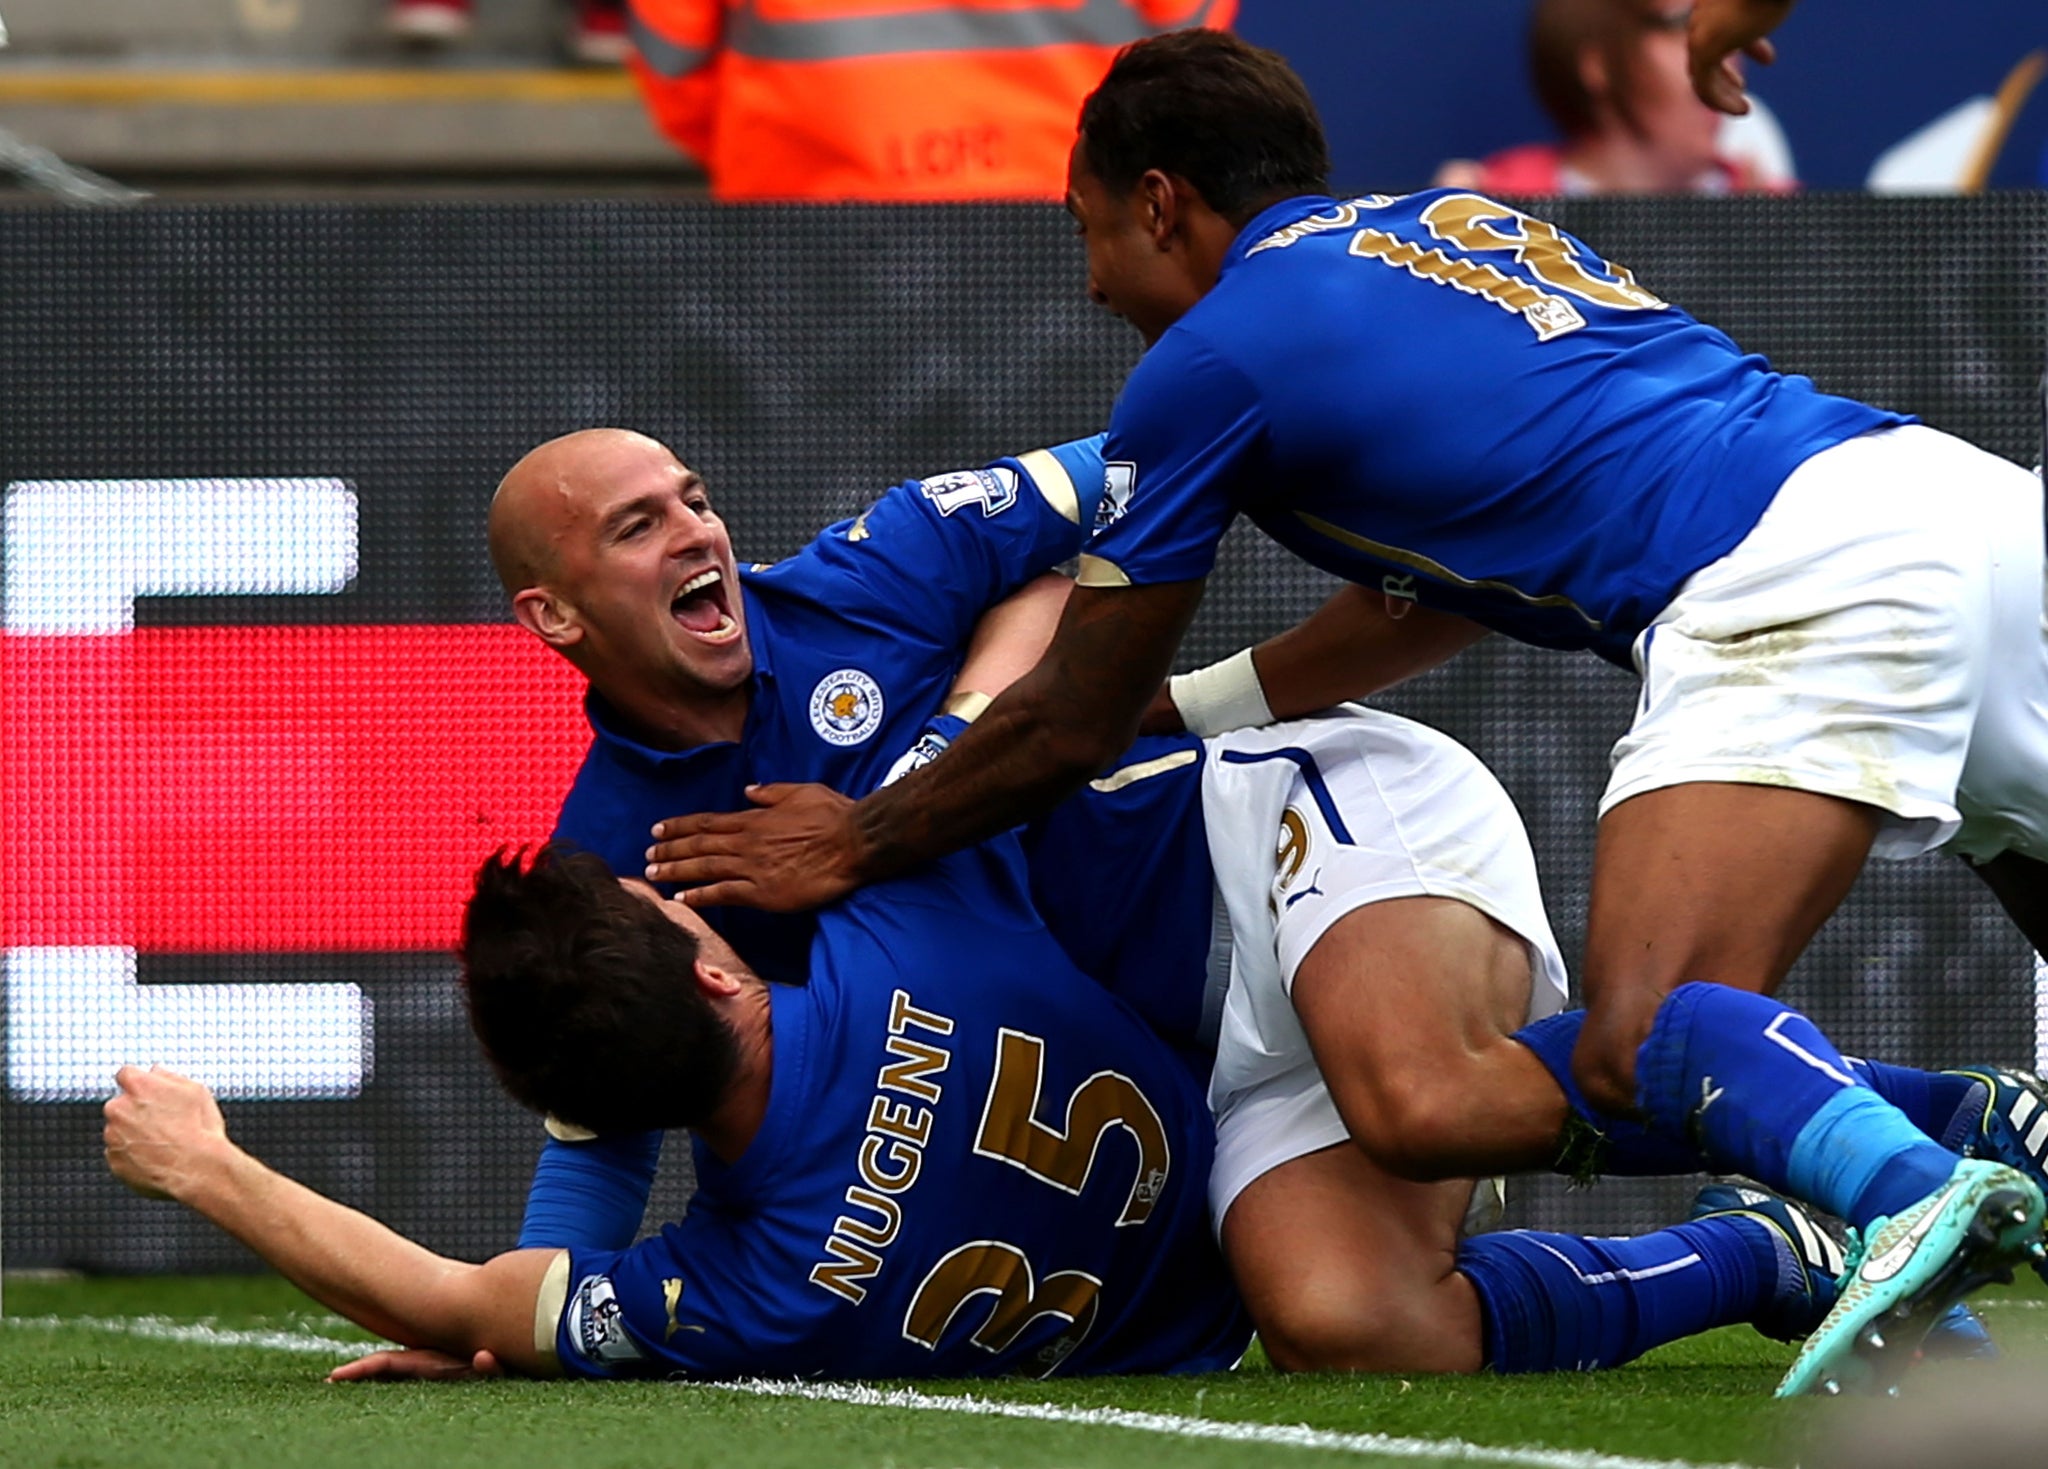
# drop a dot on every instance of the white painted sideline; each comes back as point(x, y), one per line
point(1299, 1436)
point(1278, 1435)
point(198, 1333)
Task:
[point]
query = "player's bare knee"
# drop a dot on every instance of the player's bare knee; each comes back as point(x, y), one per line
point(1325, 1330)
point(1418, 1123)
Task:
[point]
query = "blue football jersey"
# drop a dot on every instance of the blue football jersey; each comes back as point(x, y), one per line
point(1120, 872)
point(1442, 397)
point(856, 641)
point(973, 1161)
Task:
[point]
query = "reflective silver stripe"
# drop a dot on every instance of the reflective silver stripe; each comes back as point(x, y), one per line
point(1094, 23)
point(659, 52)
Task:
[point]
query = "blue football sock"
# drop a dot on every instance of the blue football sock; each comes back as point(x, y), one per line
point(1621, 1147)
point(1763, 1092)
point(1930, 1098)
point(1563, 1302)
point(592, 1193)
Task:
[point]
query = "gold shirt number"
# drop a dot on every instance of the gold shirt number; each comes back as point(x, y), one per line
point(1063, 1157)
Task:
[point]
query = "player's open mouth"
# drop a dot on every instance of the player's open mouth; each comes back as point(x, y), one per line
point(700, 608)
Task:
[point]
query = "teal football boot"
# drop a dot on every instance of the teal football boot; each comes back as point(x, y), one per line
point(1911, 1269)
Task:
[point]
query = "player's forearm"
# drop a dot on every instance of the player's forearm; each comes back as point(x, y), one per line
point(1352, 646)
point(1073, 713)
point(1008, 643)
point(342, 1258)
point(1016, 760)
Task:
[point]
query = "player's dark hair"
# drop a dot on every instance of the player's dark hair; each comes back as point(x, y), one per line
point(1230, 118)
point(1561, 32)
point(582, 996)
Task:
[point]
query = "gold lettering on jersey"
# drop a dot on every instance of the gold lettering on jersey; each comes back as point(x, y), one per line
point(891, 1151)
point(849, 1266)
point(1470, 222)
point(1343, 217)
point(884, 1208)
point(900, 1119)
point(993, 1268)
point(904, 1162)
point(903, 1015)
point(920, 1060)
point(1548, 316)
point(1064, 1156)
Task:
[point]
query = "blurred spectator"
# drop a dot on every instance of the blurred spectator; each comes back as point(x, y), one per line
point(1613, 77)
point(596, 33)
point(886, 99)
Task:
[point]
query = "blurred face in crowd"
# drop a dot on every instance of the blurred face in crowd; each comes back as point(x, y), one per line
point(1654, 98)
point(1137, 266)
point(615, 558)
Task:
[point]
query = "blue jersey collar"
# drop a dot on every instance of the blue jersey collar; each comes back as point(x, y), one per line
point(789, 1022)
point(1276, 216)
point(610, 731)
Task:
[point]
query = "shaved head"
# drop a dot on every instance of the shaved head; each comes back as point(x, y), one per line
point(611, 554)
point(540, 497)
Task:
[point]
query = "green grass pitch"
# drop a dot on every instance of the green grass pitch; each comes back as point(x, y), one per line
point(226, 1372)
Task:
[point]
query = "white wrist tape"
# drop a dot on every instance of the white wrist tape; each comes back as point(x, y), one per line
point(1224, 696)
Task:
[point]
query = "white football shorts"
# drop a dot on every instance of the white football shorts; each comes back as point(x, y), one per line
point(1311, 820)
point(1878, 636)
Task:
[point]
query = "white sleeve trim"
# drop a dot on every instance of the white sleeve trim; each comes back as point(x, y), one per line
point(548, 1307)
point(1053, 482)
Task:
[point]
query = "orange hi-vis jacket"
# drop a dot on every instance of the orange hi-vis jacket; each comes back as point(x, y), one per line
point(886, 99)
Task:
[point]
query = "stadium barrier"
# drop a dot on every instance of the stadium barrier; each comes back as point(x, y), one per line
point(263, 711)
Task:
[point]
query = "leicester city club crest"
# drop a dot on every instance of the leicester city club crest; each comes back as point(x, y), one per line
point(846, 707)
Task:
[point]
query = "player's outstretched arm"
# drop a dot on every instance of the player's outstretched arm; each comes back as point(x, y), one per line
point(1720, 31)
point(165, 1139)
point(1051, 730)
point(1351, 646)
point(1009, 641)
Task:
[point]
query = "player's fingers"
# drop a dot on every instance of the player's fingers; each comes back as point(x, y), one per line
point(680, 849)
point(361, 1367)
point(1763, 50)
point(483, 1364)
point(702, 823)
point(733, 894)
point(691, 869)
point(774, 793)
point(413, 1364)
point(722, 850)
